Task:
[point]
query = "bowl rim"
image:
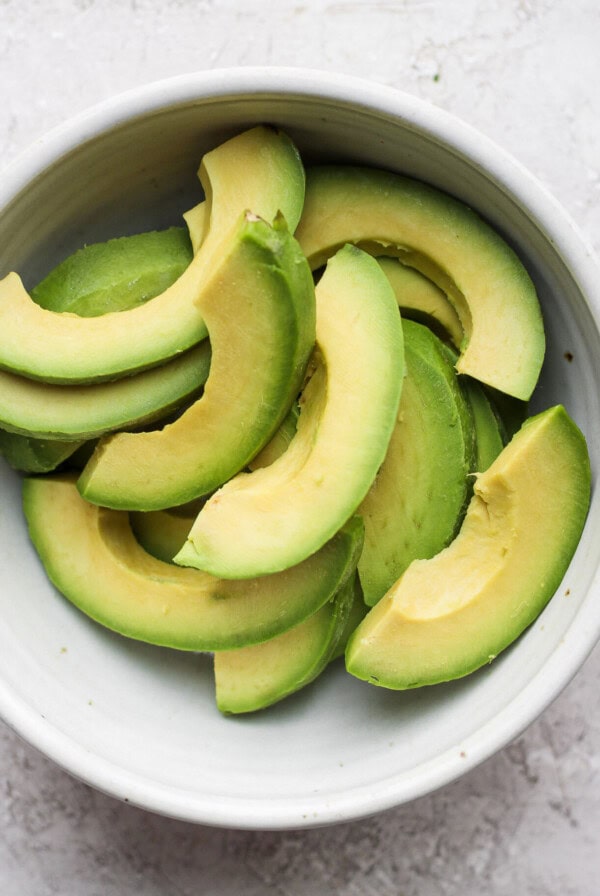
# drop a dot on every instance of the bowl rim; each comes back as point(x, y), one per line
point(569, 243)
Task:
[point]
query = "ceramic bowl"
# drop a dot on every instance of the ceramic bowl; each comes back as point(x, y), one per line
point(140, 722)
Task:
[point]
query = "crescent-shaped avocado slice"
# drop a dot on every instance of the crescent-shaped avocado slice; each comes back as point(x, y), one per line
point(53, 411)
point(494, 297)
point(252, 678)
point(258, 170)
point(415, 506)
point(259, 305)
point(447, 616)
point(93, 558)
point(266, 520)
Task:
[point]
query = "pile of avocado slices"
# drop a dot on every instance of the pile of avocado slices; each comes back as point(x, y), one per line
point(295, 429)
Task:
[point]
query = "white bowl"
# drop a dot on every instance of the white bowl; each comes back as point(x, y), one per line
point(139, 722)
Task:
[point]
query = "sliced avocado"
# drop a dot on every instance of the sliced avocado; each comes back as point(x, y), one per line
point(259, 305)
point(266, 520)
point(35, 455)
point(421, 300)
point(118, 274)
point(415, 506)
point(447, 616)
point(93, 558)
point(52, 411)
point(102, 277)
point(67, 348)
point(488, 435)
point(492, 293)
point(252, 678)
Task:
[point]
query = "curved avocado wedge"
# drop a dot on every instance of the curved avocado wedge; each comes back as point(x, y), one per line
point(421, 300)
point(447, 616)
point(101, 277)
point(271, 518)
point(252, 678)
point(52, 411)
point(415, 506)
point(492, 293)
point(66, 348)
point(259, 305)
point(91, 555)
point(117, 274)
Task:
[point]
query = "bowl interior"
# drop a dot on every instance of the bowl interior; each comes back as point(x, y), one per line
point(140, 722)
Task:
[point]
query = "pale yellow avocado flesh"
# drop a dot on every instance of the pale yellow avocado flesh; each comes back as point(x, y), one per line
point(420, 299)
point(492, 293)
point(258, 170)
point(259, 304)
point(266, 520)
point(91, 555)
point(197, 219)
point(447, 616)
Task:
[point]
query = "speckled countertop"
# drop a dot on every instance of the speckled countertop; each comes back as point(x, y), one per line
point(526, 822)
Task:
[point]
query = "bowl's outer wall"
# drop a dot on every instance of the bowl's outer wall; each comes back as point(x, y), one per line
point(140, 722)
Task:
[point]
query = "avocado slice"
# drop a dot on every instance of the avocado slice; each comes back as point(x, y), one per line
point(52, 411)
point(482, 276)
point(252, 678)
point(447, 616)
point(93, 558)
point(266, 520)
point(259, 305)
point(421, 300)
point(117, 274)
point(415, 506)
point(67, 348)
point(102, 277)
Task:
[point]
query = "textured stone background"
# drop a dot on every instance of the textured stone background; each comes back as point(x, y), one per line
point(527, 822)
